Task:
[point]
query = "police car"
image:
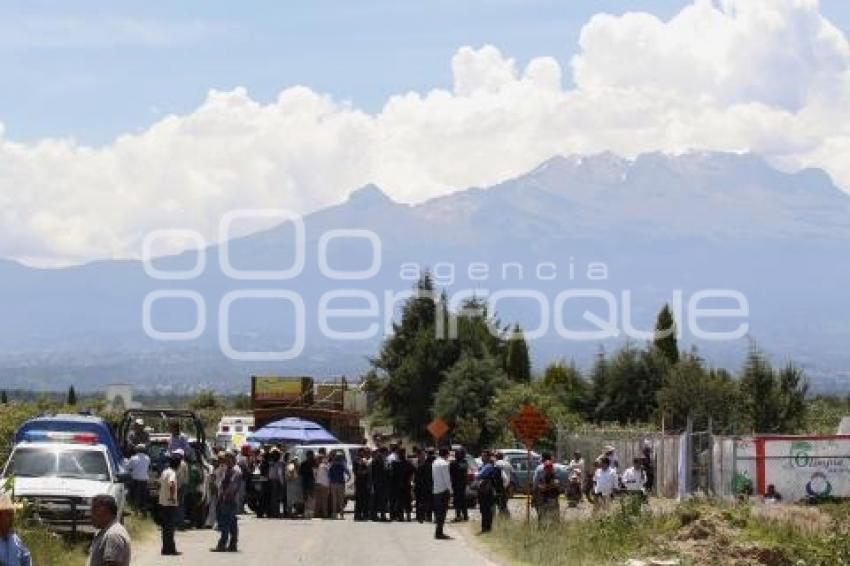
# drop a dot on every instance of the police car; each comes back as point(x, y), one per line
point(59, 473)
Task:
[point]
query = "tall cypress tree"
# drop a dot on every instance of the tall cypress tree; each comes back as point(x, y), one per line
point(599, 388)
point(4, 398)
point(665, 335)
point(517, 360)
point(758, 388)
point(72, 396)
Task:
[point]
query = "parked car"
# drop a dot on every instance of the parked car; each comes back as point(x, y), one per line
point(521, 475)
point(58, 474)
point(348, 450)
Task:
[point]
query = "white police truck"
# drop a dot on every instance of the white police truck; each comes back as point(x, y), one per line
point(57, 474)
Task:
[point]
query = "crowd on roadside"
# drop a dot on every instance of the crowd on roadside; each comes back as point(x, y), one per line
point(390, 484)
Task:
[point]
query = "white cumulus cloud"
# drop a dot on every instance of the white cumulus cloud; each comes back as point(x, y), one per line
point(770, 76)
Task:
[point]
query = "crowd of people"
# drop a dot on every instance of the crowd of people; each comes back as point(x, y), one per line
point(390, 484)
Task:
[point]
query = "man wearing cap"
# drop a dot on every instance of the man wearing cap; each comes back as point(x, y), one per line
point(138, 434)
point(226, 506)
point(178, 441)
point(12, 549)
point(111, 544)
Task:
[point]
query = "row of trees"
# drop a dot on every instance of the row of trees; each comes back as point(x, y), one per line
point(477, 380)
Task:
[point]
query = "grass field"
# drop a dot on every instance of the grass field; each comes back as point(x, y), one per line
point(51, 549)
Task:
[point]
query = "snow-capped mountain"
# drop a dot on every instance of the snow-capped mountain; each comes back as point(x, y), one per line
point(657, 224)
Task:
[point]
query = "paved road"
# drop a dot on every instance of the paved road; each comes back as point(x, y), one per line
point(326, 542)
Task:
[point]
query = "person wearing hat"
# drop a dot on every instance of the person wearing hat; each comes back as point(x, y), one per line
point(228, 492)
point(139, 468)
point(182, 471)
point(609, 451)
point(13, 552)
point(138, 434)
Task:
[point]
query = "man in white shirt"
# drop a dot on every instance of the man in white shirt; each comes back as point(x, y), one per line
point(577, 463)
point(168, 505)
point(139, 468)
point(634, 478)
point(605, 479)
point(442, 491)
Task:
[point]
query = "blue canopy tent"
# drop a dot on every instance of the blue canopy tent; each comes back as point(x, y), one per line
point(293, 430)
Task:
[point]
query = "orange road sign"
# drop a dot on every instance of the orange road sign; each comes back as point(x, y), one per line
point(438, 428)
point(529, 424)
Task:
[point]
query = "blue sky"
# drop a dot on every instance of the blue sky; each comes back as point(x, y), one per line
point(92, 70)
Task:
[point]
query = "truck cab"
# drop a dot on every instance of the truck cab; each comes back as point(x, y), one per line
point(58, 473)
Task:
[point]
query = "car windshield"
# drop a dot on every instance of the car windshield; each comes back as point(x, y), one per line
point(42, 462)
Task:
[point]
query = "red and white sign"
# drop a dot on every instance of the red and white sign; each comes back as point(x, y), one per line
point(799, 467)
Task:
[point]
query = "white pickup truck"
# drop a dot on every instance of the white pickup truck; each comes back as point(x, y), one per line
point(58, 477)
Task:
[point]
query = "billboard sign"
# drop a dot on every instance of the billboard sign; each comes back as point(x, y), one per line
point(276, 389)
point(800, 467)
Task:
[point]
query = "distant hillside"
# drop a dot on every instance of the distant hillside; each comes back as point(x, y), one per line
point(658, 223)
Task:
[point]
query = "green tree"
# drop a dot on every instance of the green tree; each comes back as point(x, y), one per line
point(704, 394)
point(467, 392)
point(665, 335)
point(625, 387)
point(509, 400)
point(758, 387)
point(566, 384)
point(205, 399)
point(424, 346)
point(774, 400)
point(517, 360)
point(793, 387)
point(4, 398)
point(599, 377)
point(467, 431)
point(72, 396)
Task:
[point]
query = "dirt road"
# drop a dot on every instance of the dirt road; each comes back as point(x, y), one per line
point(325, 542)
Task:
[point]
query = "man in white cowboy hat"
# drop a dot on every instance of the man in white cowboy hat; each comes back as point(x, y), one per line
point(12, 549)
point(138, 434)
point(610, 451)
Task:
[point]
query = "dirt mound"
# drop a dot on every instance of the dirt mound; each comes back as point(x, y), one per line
point(708, 536)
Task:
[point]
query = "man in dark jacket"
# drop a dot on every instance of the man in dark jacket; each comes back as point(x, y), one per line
point(379, 479)
point(457, 470)
point(490, 481)
point(307, 471)
point(362, 488)
point(401, 474)
point(424, 486)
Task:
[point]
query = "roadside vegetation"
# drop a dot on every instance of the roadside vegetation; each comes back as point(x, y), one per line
point(696, 532)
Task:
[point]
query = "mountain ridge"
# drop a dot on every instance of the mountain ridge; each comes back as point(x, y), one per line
point(660, 223)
